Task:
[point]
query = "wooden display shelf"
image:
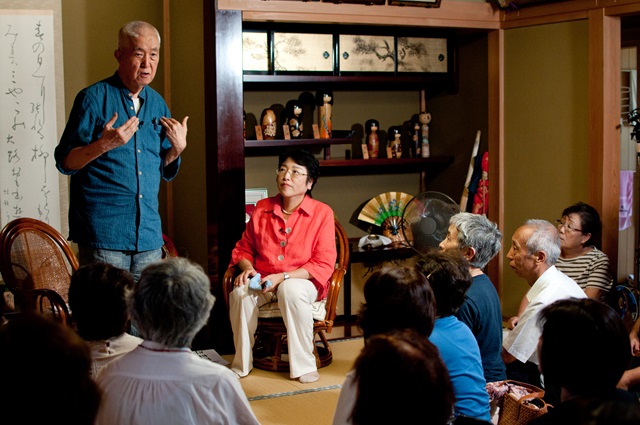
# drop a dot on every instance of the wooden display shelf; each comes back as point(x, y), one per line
point(355, 167)
point(387, 162)
point(257, 144)
point(345, 167)
point(274, 147)
point(381, 82)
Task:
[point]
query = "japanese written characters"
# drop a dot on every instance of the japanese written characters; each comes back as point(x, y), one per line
point(28, 178)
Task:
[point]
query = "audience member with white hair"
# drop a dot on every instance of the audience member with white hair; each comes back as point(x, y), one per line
point(479, 240)
point(535, 248)
point(163, 381)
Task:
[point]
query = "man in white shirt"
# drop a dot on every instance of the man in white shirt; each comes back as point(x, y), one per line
point(535, 248)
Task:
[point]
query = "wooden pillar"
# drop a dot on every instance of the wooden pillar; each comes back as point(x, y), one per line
point(224, 151)
point(604, 125)
point(166, 57)
point(496, 147)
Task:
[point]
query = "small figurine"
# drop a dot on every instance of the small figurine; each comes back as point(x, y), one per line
point(295, 123)
point(394, 135)
point(308, 103)
point(268, 122)
point(425, 119)
point(416, 139)
point(324, 101)
point(293, 119)
point(373, 143)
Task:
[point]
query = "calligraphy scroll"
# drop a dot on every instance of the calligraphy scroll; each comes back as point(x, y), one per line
point(29, 183)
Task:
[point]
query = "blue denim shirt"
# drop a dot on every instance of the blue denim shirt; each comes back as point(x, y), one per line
point(114, 198)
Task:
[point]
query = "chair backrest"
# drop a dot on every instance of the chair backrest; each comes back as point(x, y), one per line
point(335, 282)
point(50, 304)
point(34, 255)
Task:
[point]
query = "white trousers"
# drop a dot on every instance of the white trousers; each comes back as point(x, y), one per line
point(295, 298)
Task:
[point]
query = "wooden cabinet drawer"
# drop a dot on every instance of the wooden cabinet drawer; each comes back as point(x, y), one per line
point(367, 53)
point(302, 52)
point(422, 54)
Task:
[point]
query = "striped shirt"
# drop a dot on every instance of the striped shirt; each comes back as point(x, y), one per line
point(590, 270)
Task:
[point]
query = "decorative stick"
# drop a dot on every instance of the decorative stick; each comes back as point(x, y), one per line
point(465, 190)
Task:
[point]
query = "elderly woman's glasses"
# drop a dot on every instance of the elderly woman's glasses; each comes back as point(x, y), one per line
point(294, 173)
point(567, 227)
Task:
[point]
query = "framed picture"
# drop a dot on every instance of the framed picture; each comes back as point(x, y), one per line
point(422, 3)
point(251, 198)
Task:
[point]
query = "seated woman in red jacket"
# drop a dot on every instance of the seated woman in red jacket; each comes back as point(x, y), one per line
point(290, 242)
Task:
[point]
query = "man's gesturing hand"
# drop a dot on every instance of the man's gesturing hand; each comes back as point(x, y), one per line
point(176, 134)
point(114, 137)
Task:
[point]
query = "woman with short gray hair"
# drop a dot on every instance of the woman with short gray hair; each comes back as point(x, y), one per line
point(163, 381)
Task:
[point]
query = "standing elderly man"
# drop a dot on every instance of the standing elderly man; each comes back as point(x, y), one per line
point(479, 240)
point(535, 248)
point(119, 141)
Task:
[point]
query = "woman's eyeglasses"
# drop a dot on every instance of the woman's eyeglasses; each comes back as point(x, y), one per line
point(567, 227)
point(294, 173)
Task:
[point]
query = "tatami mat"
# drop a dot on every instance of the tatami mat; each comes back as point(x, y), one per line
point(312, 408)
point(278, 399)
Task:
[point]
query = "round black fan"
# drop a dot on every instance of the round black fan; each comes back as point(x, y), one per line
point(426, 219)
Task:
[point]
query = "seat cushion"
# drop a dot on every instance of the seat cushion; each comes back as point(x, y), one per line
point(271, 310)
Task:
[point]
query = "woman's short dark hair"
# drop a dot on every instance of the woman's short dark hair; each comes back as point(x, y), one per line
point(97, 300)
point(585, 346)
point(397, 298)
point(589, 221)
point(403, 372)
point(448, 275)
point(305, 159)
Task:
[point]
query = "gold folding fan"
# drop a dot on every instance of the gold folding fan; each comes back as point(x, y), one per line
point(383, 206)
point(385, 210)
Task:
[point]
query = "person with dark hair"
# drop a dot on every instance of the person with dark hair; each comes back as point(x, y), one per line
point(97, 300)
point(448, 275)
point(119, 143)
point(396, 298)
point(479, 240)
point(535, 248)
point(162, 381)
point(290, 243)
point(46, 373)
point(602, 339)
point(580, 258)
point(402, 369)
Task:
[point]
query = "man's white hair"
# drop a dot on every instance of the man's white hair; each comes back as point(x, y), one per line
point(132, 30)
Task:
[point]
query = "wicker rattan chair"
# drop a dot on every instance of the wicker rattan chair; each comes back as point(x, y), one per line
point(36, 263)
point(50, 304)
point(271, 334)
